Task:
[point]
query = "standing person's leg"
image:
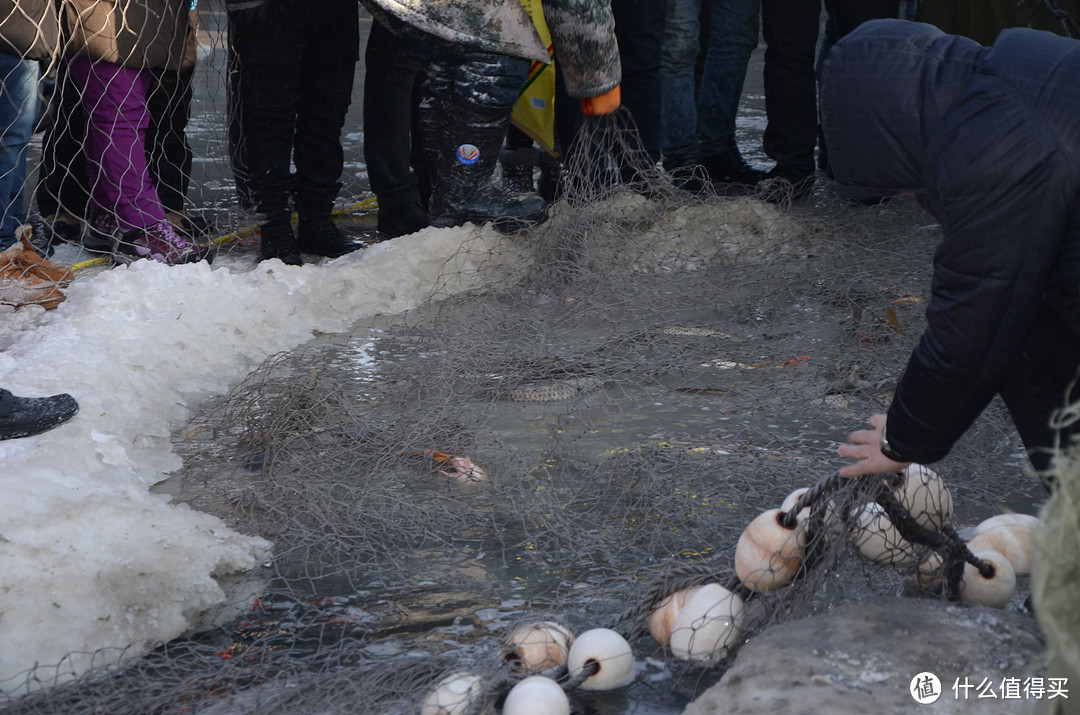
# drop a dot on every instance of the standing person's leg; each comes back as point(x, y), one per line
point(169, 155)
point(790, 28)
point(733, 36)
point(391, 73)
point(518, 158)
point(61, 194)
point(639, 29)
point(849, 14)
point(331, 50)
point(465, 113)
point(18, 111)
point(265, 88)
point(114, 100)
point(679, 121)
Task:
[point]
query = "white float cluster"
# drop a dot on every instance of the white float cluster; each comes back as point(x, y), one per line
point(541, 651)
point(1003, 542)
point(703, 624)
point(923, 493)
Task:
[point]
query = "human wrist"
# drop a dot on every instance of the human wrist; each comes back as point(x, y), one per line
point(888, 450)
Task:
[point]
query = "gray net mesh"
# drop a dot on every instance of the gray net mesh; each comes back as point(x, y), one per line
point(586, 436)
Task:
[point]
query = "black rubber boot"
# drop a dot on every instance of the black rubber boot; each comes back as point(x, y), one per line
point(316, 231)
point(277, 240)
point(402, 220)
point(517, 169)
point(462, 140)
point(322, 237)
point(550, 171)
point(730, 168)
point(26, 416)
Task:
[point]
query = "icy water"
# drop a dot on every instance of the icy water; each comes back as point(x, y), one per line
point(715, 420)
point(460, 603)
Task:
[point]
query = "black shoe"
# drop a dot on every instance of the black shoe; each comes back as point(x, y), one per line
point(322, 237)
point(517, 169)
point(731, 168)
point(402, 220)
point(188, 224)
point(102, 232)
point(691, 179)
point(26, 416)
point(62, 226)
point(278, 241)
point(550, 170)
point(786, 184)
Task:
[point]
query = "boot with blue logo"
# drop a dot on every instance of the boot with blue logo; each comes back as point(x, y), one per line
point(462, 141)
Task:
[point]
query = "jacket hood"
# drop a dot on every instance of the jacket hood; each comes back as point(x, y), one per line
point(885, 88)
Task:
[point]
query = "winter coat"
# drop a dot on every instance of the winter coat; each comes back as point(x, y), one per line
point(133, 33)
point(989, 138)
point(29, 28)
point(582, 32)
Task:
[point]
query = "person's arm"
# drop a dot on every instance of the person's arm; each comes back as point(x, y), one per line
point(998, 184)
point(586, 51)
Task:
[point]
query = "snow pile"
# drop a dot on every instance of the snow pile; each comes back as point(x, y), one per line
point(89, 558)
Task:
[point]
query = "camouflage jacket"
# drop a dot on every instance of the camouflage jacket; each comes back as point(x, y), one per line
point(582, 32)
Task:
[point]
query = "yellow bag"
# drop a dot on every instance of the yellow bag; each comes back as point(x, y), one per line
point(534, 111)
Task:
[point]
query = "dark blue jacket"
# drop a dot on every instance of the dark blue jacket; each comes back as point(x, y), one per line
point(989, 137)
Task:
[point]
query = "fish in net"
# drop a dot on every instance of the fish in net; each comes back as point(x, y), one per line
point(649, 382)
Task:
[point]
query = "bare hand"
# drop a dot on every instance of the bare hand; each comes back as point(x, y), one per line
point(864, 446)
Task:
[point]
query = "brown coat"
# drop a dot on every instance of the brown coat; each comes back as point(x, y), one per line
point(132, 33)
point(29, 28)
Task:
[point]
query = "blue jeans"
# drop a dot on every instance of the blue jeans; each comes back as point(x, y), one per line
point(19, 104)
point(704, 127)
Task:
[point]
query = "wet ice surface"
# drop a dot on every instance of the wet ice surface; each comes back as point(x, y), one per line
point(93, 559)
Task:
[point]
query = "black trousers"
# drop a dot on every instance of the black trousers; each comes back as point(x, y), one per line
point(290, 85)
point(392, 146)
point(1048, 367)
point(639, 28)
point(790, 29)
point(168, 154)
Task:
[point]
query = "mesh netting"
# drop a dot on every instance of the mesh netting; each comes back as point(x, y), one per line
point(587, 436)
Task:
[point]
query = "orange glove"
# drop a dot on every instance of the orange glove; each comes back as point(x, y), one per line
point(606, 103)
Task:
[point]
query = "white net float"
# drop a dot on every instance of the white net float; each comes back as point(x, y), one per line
point(924, 494)
point(1013, 541)
point(538, 647)
point(768, 554)
point(605, 651)
point(453, 695)
point(708, 625)
point(1025, 520)
point(995, 590)
point(536, 695)
point(877, 539)
point(662, 618)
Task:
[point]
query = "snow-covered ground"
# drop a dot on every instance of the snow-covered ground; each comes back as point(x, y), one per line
point(90, 559)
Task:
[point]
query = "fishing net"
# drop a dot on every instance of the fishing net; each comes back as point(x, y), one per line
point(581, 442)
point(585, 437)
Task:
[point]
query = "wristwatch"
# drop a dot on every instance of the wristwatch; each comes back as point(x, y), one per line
point(887, 450)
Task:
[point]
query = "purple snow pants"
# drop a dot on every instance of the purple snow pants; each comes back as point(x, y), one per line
point(114, 100)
